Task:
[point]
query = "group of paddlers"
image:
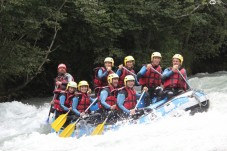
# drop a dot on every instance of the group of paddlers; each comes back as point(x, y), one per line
point(114, 92)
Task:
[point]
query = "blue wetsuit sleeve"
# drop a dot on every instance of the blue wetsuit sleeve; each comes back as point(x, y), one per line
point(119, 72)
point(142, 71)
point(102, 75)
point(103, 96)
point(166, 74)
point(74, 105)
point(62, 102)
point(120, 102)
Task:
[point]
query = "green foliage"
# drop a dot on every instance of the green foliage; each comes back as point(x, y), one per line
point(89, 31)
point(24, 26)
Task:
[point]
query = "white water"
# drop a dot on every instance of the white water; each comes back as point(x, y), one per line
point(22, 128)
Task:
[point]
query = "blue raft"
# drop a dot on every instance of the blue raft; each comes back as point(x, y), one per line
point(193, 101)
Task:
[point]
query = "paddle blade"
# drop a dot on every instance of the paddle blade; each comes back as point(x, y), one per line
point(59, 122)
point(98, 130)
point(67, 132)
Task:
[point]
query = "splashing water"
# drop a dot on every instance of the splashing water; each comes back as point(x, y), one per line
point(23, 129)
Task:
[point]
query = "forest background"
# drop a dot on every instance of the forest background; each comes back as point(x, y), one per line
point(37, 35)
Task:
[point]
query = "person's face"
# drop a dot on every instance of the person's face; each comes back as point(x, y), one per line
point(108, 64)
point(83, 89)
point(129, 64)
point(61, 70)
point(130, 83)
point(115, 82)
point(72, 90)
point(176, 62)
point(156, 61)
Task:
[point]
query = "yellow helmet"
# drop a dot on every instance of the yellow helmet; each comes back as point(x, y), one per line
point(128, 78)
point(128, 58)
point(71, 84)
point(83, 83)
point(109, 59)
point(111, 77)
point(180, 57)
point(155, 54)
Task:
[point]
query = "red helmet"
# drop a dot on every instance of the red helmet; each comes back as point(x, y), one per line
point(61, 66)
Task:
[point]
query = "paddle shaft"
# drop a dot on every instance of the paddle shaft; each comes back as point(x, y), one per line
point(156, 71)
point(107, 117)
point(67, 112)
point(184, 79)
point(51, 106)
point(139, 100)
point(76, 121)
point(49, 112)
point(130, 72)
point(91, 105)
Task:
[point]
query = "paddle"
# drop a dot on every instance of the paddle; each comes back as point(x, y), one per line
point(59, 122)
point(67, 132)
point(184, 79)
point(99, 129)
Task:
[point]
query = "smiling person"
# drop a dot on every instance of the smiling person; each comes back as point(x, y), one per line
point(101, 73)
point(150, 76)
point(83, 99)
point(127, 97)
point(63, 100)
point(63, 77)
point(61, 82)
point(125, 70)
point(172, 78)
point(108, 100)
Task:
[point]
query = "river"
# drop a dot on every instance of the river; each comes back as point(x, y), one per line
point(23, 128)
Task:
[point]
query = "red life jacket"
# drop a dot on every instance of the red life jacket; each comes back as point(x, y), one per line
point(151, 78)
point(122, 77)
point(84, 102)
point(111, 99)
point(100, 82)
point(175, 80)
point(68, 100)
point(130, 100)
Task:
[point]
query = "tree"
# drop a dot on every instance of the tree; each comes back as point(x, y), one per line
point(24, 24)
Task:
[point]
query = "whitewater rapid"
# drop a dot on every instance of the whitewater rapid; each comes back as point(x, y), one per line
point(23, 128)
